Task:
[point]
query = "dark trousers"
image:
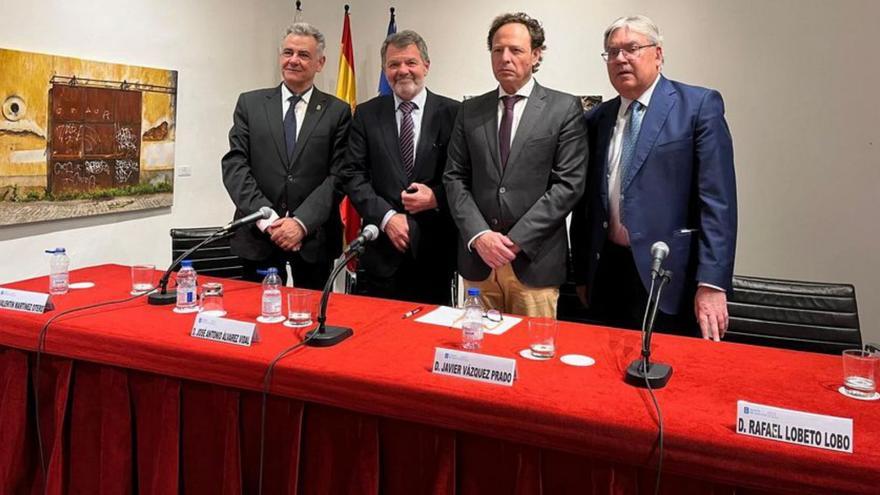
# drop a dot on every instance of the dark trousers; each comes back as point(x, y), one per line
point(305, 275)
point(618, 298)
point(412, 281)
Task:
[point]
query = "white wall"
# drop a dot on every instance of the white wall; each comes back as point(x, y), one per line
point(799, 78)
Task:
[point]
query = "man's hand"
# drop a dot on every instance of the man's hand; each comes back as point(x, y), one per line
point(420, 200)
point(495, 249)
point(397, 230)
point(710, 306)
point(286, 233)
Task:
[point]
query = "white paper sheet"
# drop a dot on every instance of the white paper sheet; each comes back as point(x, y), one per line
point(453, 317)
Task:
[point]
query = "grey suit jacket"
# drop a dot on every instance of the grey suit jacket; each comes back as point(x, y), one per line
point(529, 199)
point(257, 171)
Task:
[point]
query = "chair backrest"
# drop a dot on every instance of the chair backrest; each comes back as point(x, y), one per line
point(808, 316)
point(214, 259)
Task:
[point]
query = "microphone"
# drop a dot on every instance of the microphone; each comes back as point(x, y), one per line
point(263, 214)
point(368, 233)
point(659, 252)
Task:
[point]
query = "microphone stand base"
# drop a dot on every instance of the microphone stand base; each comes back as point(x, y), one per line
point(329, 337)
point(658, 374)
point(160, 299)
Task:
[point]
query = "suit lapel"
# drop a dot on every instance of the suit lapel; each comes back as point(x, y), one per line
point(427, 134)
point(489, 109)
point(314, 112)
point(276, 123)
point(531, 114)
point(604, 131)
point(662, 101)
point(388, 123)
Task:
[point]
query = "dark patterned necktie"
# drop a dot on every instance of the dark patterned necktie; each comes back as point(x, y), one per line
point(630, 138)
point(506, 127)
point(407, 137)
point(290, 125)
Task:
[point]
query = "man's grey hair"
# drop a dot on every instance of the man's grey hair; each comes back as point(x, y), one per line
point(402, 40)
point(306, 29)
point(638, 23)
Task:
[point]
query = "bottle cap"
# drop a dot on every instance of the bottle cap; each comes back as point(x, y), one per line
point(186, 263)
point(272, 270)
point(473, 291)
point(58, 250)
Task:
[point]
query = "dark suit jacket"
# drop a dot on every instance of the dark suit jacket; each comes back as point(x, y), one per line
point(373, 177)
point(680, 190)
point(257, 172)
point(528, 200)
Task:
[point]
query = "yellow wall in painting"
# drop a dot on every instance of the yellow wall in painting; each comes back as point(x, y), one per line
point(27, 76)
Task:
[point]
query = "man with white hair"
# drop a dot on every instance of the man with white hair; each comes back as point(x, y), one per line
point(285, 146)
point(661, 169)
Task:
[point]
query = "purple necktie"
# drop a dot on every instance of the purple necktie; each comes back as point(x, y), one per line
point(506, 127)
point(407, 136)
point(290, 125)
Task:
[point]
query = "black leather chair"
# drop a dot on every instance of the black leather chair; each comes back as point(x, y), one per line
point(214, 259)
point(807, 316)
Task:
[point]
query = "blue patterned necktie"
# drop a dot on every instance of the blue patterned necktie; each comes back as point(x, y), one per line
point(407, 137)
point(630, 138)
point(290, 125)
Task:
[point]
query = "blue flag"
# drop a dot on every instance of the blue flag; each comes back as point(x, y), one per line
point(384, 87)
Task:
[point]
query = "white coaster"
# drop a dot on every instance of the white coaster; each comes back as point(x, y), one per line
point(842, 390)
point(183, 311)
point(82, 285)
point(527, 353)
point(577, 360)
point(290, 324)
point(274, 319)
point(214, 313)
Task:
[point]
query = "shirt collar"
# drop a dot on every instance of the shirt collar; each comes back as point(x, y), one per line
point(287, 93)
point(644, 99)
point(525, 91)
point(419, 99)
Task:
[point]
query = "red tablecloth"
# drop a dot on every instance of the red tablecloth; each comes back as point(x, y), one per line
point(128, 399)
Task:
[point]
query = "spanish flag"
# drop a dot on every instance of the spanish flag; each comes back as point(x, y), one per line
point(347, 92)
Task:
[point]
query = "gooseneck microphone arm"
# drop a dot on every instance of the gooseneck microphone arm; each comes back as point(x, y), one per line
point(163, 296)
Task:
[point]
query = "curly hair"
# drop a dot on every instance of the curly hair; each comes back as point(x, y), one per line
point(536, 32)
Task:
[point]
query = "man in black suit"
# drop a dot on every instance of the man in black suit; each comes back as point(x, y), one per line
point(392, 171)
point(284, 145)
point(517, 166)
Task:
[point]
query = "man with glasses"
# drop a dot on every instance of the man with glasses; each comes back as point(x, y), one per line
point(283, 145)
point(661, 169)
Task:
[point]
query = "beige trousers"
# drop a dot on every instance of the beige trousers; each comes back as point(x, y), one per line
point(503, 291)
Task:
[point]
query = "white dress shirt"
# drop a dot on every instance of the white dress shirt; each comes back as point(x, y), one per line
point(417, 114)
point(299, 112)
point(525, 91)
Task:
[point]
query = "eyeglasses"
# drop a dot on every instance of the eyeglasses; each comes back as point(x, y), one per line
point(493, 315)
point(629, 52)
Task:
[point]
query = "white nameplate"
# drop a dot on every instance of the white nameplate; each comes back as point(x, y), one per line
point(24, 300)
point(801, 428)
point(223, 330)
point(480, 367)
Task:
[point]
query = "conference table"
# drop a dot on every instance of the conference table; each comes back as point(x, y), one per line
point(129, 402)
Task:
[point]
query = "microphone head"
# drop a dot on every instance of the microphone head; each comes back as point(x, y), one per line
point(659, 250)
point(370, 232)
point(266, 212)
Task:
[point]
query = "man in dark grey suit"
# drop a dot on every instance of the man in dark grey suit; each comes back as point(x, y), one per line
point(516, 167)
point(392, 172)
point(284, 145)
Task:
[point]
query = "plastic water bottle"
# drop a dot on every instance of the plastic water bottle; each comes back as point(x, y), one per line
point(472, 326)
point(59, 271)
point(272, 295)
point(187, 282)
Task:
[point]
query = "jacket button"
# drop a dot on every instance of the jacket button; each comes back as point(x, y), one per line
point(502, 190)
point(289, 178)
point(494, 221)
point(284, 206)
point(604, 225)
point(598, 255)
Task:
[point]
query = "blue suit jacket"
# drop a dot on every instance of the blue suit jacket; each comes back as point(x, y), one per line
point(680, 189)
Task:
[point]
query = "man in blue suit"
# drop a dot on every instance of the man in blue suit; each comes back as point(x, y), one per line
point(661, 169)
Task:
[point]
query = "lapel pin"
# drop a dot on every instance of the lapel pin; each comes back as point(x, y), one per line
point(318, 108)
